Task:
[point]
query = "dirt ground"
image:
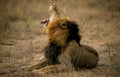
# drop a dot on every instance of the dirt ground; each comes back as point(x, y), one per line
point(22, 37)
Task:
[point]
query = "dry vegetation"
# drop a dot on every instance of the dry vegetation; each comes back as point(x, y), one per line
point(22, 38)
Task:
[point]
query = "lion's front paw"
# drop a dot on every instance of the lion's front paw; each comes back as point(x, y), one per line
point(43, 71)
point(26, 68)
point(39, 72)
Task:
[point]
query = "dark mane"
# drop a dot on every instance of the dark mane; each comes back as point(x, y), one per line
point(52, 51)
point(74, 32)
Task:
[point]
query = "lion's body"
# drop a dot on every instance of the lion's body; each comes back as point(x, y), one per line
point(65, 48)
point(64, 51)
point(80, 56)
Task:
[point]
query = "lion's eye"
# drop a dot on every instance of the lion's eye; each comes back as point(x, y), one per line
point(63, 25)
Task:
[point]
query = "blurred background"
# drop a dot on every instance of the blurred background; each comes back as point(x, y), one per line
point(22, 37)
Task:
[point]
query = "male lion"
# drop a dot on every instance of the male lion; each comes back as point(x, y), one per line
point(64, 51)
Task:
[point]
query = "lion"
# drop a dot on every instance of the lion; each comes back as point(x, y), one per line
point(64, 50)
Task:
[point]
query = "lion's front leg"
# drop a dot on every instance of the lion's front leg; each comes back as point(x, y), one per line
point(41, 64)
point(38, 65)
point(51, 69)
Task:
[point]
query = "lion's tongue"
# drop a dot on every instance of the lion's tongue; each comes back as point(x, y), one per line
point(44, 21)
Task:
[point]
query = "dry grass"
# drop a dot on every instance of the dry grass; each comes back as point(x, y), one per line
point(22, 37)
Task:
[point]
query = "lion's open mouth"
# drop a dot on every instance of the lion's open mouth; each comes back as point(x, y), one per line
point(45, 22)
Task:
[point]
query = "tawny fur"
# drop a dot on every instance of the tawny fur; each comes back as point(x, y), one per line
point(54, 31)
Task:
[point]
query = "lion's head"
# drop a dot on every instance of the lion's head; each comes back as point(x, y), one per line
point(62, 31)
point(59, 28)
